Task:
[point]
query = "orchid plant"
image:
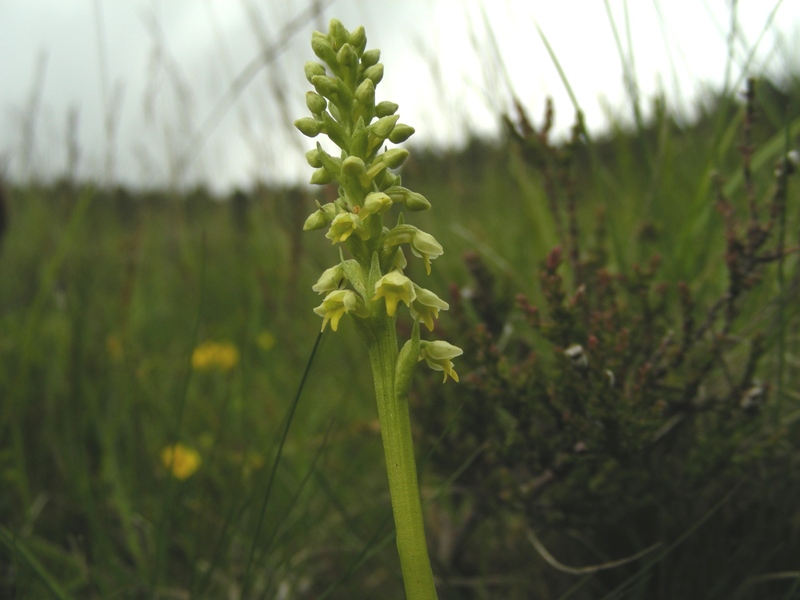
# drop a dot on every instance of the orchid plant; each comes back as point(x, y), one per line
point(371, 285)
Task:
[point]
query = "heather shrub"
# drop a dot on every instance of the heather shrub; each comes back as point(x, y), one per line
point(630, 426)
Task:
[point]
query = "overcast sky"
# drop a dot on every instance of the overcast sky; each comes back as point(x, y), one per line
point(155, 92)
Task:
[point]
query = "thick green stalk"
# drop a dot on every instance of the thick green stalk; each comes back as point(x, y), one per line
point(400, 466)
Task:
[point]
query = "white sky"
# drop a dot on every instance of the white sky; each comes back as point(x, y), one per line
point(142, 78)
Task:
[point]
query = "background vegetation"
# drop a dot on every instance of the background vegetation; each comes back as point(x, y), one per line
point(133, 321)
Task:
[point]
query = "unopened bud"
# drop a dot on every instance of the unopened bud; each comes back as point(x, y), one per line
point(323, 49)
point(315, 103)
point(312, 158)
point(394, 157)
point(313, 69)
point(325, 85)
point(347, 57)
point(401, 133)
point(383, 127)
point(375, 72)
point(337, 32)
point(365, 93)
point(358, 39)
point(385, 108)
point(353, 166)
point(321, 177)
point(370, 57)
point(308, 126)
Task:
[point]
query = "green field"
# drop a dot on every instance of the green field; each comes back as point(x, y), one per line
point(133, 321)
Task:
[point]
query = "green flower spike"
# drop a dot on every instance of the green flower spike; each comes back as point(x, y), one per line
point(396, 288)
point(336, 304)
point(438, 354)
point(344, 108)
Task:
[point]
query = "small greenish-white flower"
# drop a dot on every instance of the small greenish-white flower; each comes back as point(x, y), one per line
point(330, 279)
point(438, 354)
point(343, 226)
point(426, 306)
point(375, 203)
point(336, 304)
point(425, 246)
point(395, 288)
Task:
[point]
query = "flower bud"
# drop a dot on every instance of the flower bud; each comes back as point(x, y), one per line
point(353, 166)
point(308, 126)
point(316, 220)
point(385, 108)
point(326, 86)
point(375, 72)
point(400, 133)
point(375, 203)
point(394, 157)
point(383, 126)
point(320, 177)
point(358, 39)
point(338, 33)
point(323, 49)
point(315, 103)
point(416, 202)
point(370, 57)
point(312, 158)
point(313, 69)
point(347, 57)
point(365, 93)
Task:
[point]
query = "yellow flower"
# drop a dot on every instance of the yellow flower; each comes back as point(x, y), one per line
point(426, 306)
point(343, 226)
point(180, 460)
point(215, 355)
point(265, 340)
point(438, 354)
point(336, 304)
point(395, 287)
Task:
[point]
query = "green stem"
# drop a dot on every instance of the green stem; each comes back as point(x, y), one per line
point(400, 466)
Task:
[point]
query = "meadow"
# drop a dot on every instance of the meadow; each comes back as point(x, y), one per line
point(173, 425)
